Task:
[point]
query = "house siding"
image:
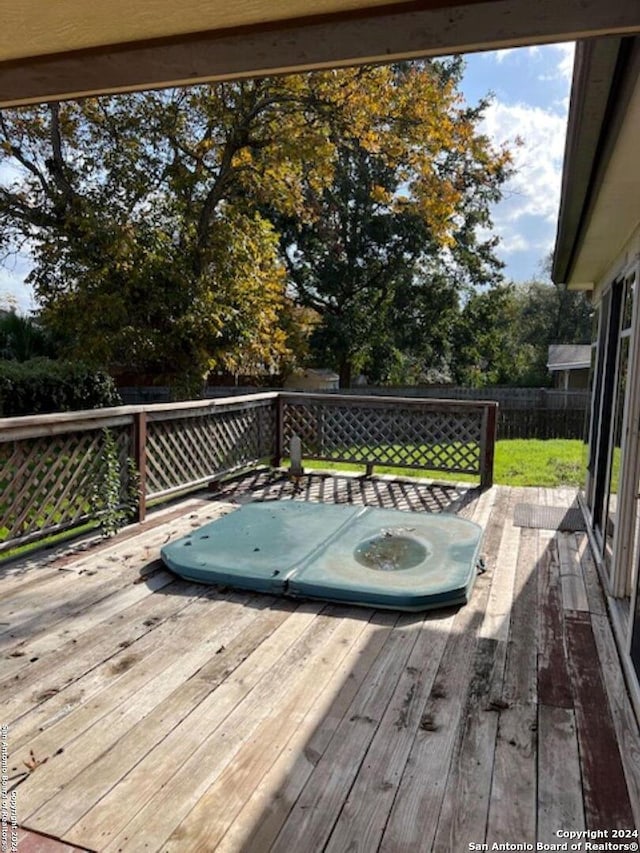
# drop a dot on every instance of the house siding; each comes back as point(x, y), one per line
point(619, 552)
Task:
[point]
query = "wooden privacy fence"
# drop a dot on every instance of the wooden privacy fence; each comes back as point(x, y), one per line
point(507, 396)
point(526, 413)
point(50, 464)
point(542, 423)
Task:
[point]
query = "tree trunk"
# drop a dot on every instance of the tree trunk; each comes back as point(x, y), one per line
point(345, 374)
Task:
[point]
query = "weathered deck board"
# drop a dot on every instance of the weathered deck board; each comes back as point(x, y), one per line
point(606, 806)
point(626, 730)
point(48, 644)
point(560, 802)
point(125, 671)
point(26, 574)
point(198, 626)
point(76, 660)
point(574, 592)
point(83, 582)
point(366, 809)
point(126, 728)
point(553, 676)
point(123, 801)
point(208, 821)
point(214, 756)
point(592, 585)
point(322, 798)
point(243, 776)
point(466, 797)
point(520, 683)
point(262, 817)
point(413, 820)
point(177, 727)
point(192, 719)
point(512, 807)
point(495, 624)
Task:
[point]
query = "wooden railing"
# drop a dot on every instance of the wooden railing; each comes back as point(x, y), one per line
point(400, 432)
point(50, 464)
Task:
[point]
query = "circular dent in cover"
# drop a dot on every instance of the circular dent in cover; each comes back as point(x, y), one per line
point(390, 552)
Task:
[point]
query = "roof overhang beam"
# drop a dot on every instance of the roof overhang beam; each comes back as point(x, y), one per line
point(51, 64)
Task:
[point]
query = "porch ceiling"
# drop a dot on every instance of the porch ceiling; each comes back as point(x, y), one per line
point(72, 48)
point(617, 211)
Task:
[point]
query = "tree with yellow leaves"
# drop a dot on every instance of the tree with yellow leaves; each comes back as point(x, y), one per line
point(156, 221)
point(395, 238)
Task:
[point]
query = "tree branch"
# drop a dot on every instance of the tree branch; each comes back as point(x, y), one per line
point(17, 152)
point(58, 166)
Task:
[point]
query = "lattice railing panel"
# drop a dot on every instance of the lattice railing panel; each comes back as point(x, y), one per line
point(400, 436)
point(189, 449)
point(50, 464)
point(46, 482)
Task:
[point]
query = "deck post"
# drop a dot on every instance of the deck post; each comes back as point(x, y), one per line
point(279, 432)
point(488, 444)
point(140, 458)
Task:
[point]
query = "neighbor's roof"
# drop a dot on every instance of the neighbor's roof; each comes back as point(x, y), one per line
point(600, 202)
point(320, 373)
point(569, 356)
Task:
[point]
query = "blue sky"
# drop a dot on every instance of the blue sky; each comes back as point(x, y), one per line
point(530, 89)
point(530, 96)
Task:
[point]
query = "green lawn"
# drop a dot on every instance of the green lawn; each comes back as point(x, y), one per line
point(518, 462)
point(534, 462)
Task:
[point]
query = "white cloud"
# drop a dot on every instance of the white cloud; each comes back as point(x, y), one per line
point(535, 187)
point(559, 56)
point(526, 217)
point(500, 55)
point(564, 62)
point(516, 242)
point(531, 87)
point(13, 290)
point(8, 173)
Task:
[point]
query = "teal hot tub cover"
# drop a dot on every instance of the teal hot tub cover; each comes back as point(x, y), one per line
point(356, 555)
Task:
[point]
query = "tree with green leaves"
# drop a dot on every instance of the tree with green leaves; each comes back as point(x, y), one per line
point(148, 253)
point(395, 238)
point(550, 314)
point(502, 335)
point(23, 338)
point(486, 348)
point(146, 218)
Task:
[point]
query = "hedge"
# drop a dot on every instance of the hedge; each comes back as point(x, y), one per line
point(43, 385)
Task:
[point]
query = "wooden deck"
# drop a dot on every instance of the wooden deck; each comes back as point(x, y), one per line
point(146, 713)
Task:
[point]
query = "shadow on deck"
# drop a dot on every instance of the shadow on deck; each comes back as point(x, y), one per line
point(409, 494)
point(180, 717)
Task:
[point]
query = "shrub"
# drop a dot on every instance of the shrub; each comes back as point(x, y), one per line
point(43, 385)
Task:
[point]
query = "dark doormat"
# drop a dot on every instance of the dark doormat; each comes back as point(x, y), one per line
point(549, 517)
